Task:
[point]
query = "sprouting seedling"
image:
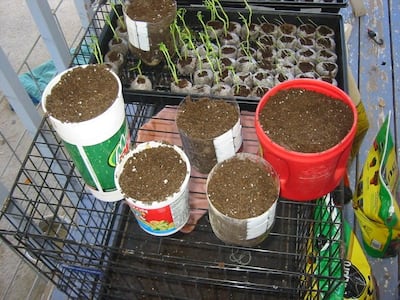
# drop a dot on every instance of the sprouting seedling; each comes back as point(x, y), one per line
point(119, 17)
point(186, 31)
point(279, 22)
point(137, 68)
point(211, 6)
point(205, 39)
point(200, 18)
point(225, 16)
point(264, 19)
point(109, 23)
point(300, 20)
point(170, 63)
point(247, 30)
point(174, 32)
point(261, 45)
point(94, 45)
point(313, 23)
point(216, 40)
point(250, 12)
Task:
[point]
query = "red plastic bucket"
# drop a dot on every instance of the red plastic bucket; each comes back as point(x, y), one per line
point(307, 176)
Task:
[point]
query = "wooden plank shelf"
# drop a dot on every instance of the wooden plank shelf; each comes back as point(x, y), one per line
point(376, 69)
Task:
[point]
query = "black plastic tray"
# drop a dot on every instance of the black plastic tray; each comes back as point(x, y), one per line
point(331, 6)
point(161, 77)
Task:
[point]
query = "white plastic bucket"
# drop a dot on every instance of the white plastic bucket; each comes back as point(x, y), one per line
point(248, 231)
point(160, 218)
point(96, 145)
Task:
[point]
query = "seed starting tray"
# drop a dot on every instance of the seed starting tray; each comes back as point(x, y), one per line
point(160, 75)
point(331, 6)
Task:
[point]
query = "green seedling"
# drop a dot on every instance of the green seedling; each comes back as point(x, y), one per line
point(216, 40)
point(201, 20)
point(244, 20)
point(211, 6)
point(137, 68)
point(170, 63)
point(186, 32)
point(109, 23)
point(175, 32)
point(225, 16)
point(94, 45)
point(205, 39)
point(119, 17)
point(250, 12)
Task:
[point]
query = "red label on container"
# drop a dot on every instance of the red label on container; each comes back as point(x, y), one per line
point(155, 221)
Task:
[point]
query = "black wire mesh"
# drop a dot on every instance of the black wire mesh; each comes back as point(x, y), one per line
point(94, 249)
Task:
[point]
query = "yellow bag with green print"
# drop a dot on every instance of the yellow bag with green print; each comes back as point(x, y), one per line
point(375, 204)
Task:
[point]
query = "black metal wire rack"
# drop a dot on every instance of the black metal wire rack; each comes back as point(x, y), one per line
point(95, 250)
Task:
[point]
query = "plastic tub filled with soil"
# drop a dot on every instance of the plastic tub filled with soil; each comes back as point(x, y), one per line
point(210, 130)
point(242, 193)
point(148, 24)
point(86, 108)
point(306, 128)
point(154, 179)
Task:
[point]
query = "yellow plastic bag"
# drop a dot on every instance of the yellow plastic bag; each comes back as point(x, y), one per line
point(374, 201)
point(360, 283)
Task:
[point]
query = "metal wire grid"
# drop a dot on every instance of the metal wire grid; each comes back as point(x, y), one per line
point(198, 266)
point(94, 249)
point(83, 53)
point(54, 223)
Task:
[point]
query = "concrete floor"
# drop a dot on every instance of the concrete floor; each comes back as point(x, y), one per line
point(20, 40)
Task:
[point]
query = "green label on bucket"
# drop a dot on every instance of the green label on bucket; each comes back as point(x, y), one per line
point(97, 163)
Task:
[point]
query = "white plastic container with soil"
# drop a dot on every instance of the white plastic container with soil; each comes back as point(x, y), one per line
point(154, 179)
point(242, 194)
point(210, 131)
point(86, 108)
point(148, 24)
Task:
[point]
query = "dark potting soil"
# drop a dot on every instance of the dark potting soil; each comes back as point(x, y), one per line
point(153, 174)
point(305, 121)
point(150, 10)
point(82, 94)
point(242, 189)
point(199, 122)
point(206, 118)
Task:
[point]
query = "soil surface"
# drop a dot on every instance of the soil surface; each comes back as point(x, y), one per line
point(150, 10)
point(199, 123)
point(82, 94)
point(153, 174)
point(304, 121)
point(242, 189)
point(206, 118)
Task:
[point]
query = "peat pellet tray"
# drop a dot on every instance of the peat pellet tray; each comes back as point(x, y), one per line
point(160, 75)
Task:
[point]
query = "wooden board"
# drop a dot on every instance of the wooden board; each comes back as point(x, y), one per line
point(376, 70)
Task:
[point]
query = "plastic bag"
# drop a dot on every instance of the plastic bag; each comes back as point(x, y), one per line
point(360, 283)
point(374, 201)
point(324, 267)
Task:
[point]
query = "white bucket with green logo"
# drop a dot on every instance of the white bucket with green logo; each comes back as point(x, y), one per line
point(95, 145)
